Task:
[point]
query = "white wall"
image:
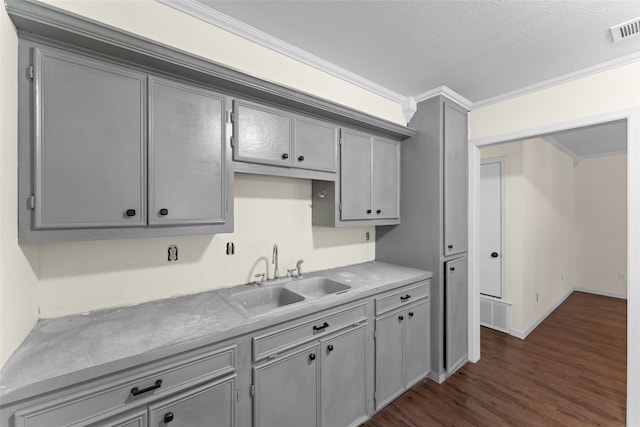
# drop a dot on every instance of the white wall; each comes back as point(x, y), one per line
point(18, 265)
point(539, 252)
point(601, 225)
point(65, 278)
point(609, 95)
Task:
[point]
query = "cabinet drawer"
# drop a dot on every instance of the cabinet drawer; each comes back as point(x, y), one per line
point(103, 400)
point(292, 334)
point(402, 296)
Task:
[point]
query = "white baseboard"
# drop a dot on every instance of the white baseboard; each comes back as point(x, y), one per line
point(523, 334)
point(600, 292)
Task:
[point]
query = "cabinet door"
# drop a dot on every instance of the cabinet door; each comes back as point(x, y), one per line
point(89, 142)
point(355, 179)
point(386, 178)
point(128, 419)
point(455, 180)
point(286, 391)
point(417, 356)
point(186, 154)
point(389, 357)
point(315, 144)
point(456, 312)
point(262, 134)
point(212, 405)
point(344, 399)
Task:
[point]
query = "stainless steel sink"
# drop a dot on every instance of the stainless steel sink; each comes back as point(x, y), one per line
point(315, 287)
point(262, 300)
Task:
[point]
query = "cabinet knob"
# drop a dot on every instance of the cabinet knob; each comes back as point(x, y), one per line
point(450, 246)
point(411, 314)
point(378, 211)
point(452, 268)
point(368, 211)
point(312, 356)
point(164, 211)
point(329, 347)
point(401, 318)
point(168, 417)
point(131, 212)
point(494, 254)
point(301, 158)
point(285, 156)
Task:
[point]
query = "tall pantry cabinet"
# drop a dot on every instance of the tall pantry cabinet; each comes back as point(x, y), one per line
point(433, 233)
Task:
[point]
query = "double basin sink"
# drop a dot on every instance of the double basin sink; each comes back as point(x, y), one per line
point(264, 299)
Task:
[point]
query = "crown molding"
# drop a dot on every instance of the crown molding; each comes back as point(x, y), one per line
point(554, 143)
point(227, 23)
point(446, 92)
point(564, 78)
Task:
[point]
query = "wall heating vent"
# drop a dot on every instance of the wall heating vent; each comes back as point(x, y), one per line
point(626, 30)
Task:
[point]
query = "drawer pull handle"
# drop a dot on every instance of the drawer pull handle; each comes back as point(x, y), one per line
point(319, 328)
point(168, 417)
point(406, 297)
point(136, 391)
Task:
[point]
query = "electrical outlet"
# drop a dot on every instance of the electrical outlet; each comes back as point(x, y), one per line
point(172, 253)
point(367, 236)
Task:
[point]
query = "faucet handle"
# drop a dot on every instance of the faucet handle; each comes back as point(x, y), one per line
point(261, 276)
point(299, 267)
point(290, 272)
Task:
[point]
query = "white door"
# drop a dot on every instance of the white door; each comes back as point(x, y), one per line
point(490, 225)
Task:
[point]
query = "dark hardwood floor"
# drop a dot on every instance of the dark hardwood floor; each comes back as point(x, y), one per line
point(570, 371)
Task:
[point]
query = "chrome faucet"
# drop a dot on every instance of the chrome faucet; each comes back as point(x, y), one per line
point(299, 267)
point(274, 260)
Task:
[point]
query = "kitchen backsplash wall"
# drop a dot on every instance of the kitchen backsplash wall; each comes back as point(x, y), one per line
point(82, 276)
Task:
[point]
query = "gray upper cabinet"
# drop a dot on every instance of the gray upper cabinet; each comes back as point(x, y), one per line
point(355, 175)
point(89, 134)
point(269, 136)
point(186, 154)
point(386, 178)
point(455, 180)
point(315, 144)
point(370, 177)
point(262, 134)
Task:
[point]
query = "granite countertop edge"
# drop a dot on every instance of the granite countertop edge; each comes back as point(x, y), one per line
point(366, 279)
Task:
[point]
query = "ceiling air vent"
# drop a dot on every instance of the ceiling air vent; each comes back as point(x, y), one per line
point(626, 30)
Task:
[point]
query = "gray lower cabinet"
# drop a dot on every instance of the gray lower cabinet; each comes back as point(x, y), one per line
point(212, 405)
point(343, 366)
point(312, 372)
point(89, 142)
point(136, 418)
point(457, 309)
point(286, 390)
point(402, 341)
point(186, 154)
point(194, 389)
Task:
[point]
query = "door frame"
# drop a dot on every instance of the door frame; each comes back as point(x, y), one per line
point(503, 210)
point(632, 118)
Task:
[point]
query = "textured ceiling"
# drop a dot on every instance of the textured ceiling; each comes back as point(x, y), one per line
point(479, 48)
